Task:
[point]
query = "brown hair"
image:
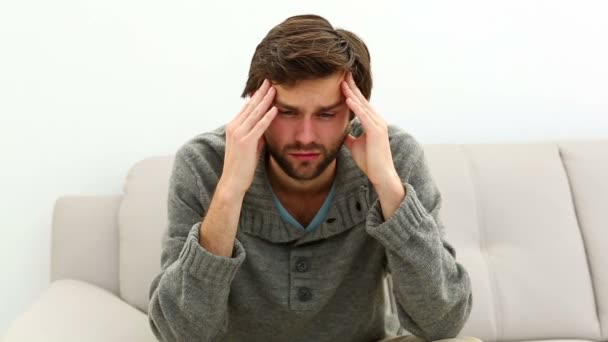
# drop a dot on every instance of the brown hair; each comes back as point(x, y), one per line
point(307, 47)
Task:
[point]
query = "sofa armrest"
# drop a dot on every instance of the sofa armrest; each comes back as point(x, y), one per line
point(72, 310)
point(84, 242)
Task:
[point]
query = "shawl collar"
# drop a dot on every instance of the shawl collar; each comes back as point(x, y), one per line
point(260, 216)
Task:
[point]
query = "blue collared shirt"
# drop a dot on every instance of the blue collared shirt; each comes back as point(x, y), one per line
point(316, 221)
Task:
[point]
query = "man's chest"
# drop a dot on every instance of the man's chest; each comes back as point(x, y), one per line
point(303, 210)
point(308, 277)
point(304, 213)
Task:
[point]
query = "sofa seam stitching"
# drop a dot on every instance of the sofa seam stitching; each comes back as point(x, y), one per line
point(583, 240)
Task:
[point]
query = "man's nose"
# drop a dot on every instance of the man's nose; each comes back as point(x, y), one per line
point(305, 133)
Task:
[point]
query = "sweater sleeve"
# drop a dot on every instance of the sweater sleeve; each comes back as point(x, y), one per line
point(188, 298)
point(432, 290)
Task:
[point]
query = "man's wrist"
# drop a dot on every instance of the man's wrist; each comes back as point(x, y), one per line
point(226, 194)
point(391, 193)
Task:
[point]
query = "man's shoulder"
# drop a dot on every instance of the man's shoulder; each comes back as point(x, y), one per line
point(204, 151)
point(403, 143)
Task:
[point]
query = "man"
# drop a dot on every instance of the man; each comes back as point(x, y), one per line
point(283, 224)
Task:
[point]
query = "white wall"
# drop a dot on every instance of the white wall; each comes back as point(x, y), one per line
point(87, 88)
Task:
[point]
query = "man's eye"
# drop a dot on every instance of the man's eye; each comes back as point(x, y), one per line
point(286, 112)
point(327, 115)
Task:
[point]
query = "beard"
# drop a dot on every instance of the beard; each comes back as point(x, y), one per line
point(326, 155)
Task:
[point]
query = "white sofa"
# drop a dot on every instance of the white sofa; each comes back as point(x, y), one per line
point(529, 222)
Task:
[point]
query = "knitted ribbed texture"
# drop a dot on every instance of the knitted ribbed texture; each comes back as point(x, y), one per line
point(283, 284)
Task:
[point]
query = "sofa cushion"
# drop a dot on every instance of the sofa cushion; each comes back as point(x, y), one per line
point(72, 310)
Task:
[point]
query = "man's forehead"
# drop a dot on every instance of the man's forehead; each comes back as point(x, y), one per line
point(319, 93)
point(323, 104)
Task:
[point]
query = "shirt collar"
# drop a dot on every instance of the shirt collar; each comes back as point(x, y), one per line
point(260, 216)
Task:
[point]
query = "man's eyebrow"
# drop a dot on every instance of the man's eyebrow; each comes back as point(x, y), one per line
point(284, 105)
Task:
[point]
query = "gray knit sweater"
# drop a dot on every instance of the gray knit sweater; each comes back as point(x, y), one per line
point(283, 284)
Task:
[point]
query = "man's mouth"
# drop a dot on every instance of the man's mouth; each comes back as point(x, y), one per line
point(305, 156)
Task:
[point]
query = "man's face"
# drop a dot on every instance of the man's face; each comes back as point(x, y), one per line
point(310, 127)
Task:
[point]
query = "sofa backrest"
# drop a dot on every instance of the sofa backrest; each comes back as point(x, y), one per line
point(587, 166)
point(509, 211)
point(142, 218)
point(84, 241)
point(525, 220)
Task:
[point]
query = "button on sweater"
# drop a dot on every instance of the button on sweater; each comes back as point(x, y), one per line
point(283, 283)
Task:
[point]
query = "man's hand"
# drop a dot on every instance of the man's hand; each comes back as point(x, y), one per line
point(245, 139)
point(244, 142)
point(371, 151)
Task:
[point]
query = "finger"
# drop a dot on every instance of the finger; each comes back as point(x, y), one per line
point(349, 93)
point(262, 125)
point(354, 90)
point(259, 111)
point(357, 106)
point(253, 101)
point(256, 97)
point(350, 81)
point(240, 115)
point(361, 113)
